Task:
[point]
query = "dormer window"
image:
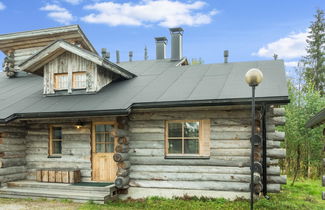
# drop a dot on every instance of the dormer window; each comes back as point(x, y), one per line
point(61, 81)
point(79, 80)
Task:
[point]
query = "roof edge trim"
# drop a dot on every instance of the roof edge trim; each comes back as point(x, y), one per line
point(168, 104)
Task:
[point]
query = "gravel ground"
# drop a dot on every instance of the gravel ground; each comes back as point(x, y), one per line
point(24, 204)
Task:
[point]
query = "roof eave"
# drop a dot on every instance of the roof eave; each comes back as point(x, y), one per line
point(167, 104)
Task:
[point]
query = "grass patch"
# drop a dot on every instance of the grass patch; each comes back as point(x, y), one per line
point(305, 194)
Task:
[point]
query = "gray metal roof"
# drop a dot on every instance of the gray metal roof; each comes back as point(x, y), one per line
point(158, 83)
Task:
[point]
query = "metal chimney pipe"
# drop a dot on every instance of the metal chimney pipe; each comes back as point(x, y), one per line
point(177, 43)
point(108, 55)
point(145, 53)
point(161, 47)
point(130, 56)
point(104, 51)
point(226, 55)
point(117, 56)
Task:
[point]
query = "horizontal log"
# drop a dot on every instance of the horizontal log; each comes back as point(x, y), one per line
point(12, 141)
point(170, 176)
point(276, 153)
point(147, 152)
point(123, 140)
point(120, 181)
point(124, 165)
point(12, 148)
point(147, 130)
point(123, 172)
point(63, 159)
point(140, 193)
point(5, 163)
point(190, 115)
point(194, 185)
point(277, 179)
point(239, 144)
point(215, 161)
point(8, 155)
point(279, 120)
point(13, 177)
point(278, 111)
point(11, 129)
point(276, 136)
point(119, 157)
point(273, 170)
point(146, 137)
point(134, 144)
point(120, 132)
point(12, 170)
point(273, 188)
point(122, 148)
point(147, 124)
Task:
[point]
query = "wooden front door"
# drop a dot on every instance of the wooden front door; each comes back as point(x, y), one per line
point(103, 144)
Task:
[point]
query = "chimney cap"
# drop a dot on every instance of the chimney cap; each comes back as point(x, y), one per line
point(175, 30)
point(161, 39)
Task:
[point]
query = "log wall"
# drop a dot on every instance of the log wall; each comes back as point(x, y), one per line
point(225, 174)
point(12, 153)
point(76, 149)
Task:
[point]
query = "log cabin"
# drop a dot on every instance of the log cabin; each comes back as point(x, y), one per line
point(75, 125)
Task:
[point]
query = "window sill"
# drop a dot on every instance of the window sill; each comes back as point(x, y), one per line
point(187, 157)
point(54, 156)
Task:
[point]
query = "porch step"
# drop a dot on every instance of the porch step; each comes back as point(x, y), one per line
point(30, 189)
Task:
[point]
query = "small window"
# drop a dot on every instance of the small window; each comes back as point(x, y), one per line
point(104, 139)
point(188, 138)
point(79, 80)
point(55, 143)
point(61, 81)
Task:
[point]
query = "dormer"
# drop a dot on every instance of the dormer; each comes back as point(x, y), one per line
point(68, 69)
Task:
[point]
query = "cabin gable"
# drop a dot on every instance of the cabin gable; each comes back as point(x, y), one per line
point(73, 65)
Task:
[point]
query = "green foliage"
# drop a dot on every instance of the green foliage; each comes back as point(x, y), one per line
point(315, 59)
point(303, 145)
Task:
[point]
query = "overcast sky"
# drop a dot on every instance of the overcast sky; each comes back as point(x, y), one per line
point(249, 29)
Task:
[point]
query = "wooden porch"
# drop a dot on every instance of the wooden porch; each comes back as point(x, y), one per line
point(76, 193)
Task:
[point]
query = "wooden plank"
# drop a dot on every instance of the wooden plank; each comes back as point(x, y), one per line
point(65, 176)
point(51, 176)
point(58, 176)
point(45, 175)
point(39, 175)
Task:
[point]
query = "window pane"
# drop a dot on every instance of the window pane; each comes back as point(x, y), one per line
point(57, 147)
point(191, 129)
point(57, 133)
point(174, 129)
point(109, 148)
point(104, 128)
point(191, 146)
point(109, 138)
point(100, 137)
point(100, 148)
point(175, 146)
point(79, 80)
point(61, 81)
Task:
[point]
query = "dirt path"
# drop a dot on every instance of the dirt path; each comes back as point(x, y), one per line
point(21, 204)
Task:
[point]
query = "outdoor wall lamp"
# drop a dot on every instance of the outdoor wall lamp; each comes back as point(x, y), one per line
point(253, 78)
point(79, 124)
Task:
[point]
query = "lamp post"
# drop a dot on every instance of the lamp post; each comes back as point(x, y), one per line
point(253, 78)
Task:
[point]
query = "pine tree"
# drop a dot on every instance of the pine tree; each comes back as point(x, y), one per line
point(314, 61)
